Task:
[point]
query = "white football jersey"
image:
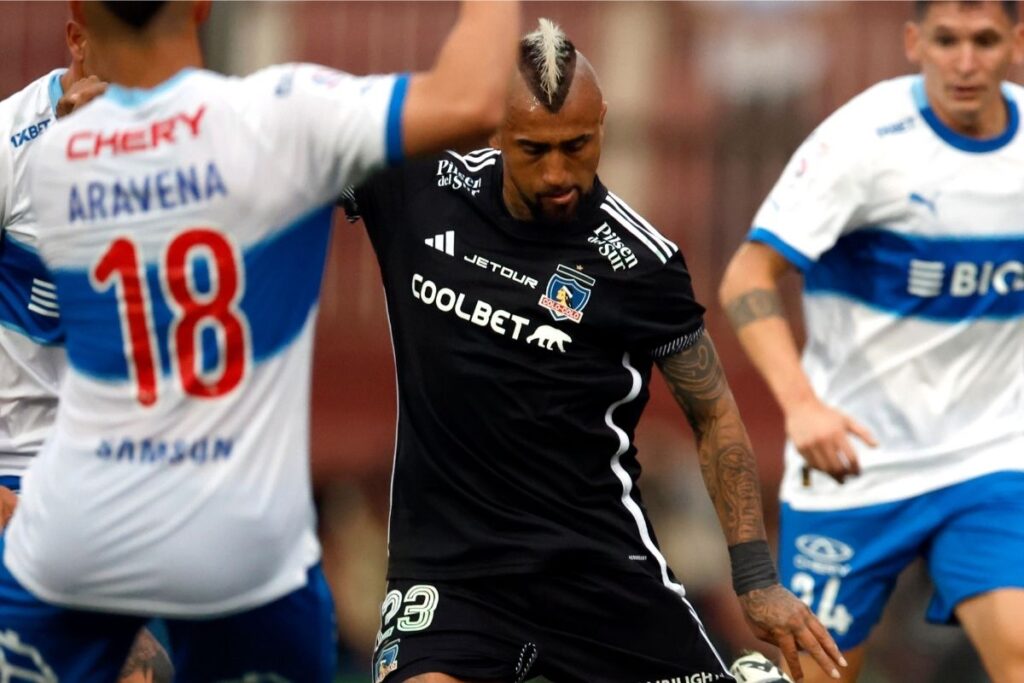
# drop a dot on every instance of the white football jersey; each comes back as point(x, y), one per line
point(186, 229)
point(31, 351)
point(911, 242)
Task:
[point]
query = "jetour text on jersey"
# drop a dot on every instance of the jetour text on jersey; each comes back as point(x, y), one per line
point(163, 190)
point(86, 144)
point(155, 451)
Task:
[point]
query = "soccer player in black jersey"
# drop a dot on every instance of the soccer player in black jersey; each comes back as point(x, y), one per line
point(528, 306)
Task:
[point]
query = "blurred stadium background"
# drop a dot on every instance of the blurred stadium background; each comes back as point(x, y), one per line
point(706, 102)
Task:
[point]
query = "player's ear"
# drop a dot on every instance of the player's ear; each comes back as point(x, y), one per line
point(495, 139)
point(1018, 43)
point(912, 41)
point(74, 35)
point(604, 110)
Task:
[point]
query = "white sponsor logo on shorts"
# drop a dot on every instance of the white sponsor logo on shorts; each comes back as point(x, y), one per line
point(823, 555)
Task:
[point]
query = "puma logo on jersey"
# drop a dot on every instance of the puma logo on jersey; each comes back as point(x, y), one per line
point(917, 198)
point(549, 338)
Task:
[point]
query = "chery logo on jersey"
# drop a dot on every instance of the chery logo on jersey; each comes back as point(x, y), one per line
point(85, 144)
point(611, 246)
point(927, 278)
point(567, 294)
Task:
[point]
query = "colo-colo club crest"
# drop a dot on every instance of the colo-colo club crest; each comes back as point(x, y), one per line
point(567, 294)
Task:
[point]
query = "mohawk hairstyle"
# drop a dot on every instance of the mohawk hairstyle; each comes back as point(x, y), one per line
point(135, 14)
point(1009, 6)
point(547, 62)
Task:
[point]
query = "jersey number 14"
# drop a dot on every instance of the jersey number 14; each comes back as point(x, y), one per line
point(193, 311)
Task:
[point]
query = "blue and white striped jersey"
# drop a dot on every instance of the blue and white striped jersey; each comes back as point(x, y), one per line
point(31, 352)
point(186, 229)
point(911, 242)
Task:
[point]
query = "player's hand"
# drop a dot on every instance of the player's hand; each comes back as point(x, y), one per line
point(821, 434)
point(79, 94)
point(778, 617)
point(8, 501)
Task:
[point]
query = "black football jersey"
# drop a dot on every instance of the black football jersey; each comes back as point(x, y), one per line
point(523, 354)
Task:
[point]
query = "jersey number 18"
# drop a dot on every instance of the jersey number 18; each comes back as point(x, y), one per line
point(193, 311)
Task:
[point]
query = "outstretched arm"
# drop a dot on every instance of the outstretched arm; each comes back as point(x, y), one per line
point(461, 100)
point(729, 468)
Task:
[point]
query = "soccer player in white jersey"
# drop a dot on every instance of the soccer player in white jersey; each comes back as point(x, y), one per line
point(904, 212)
point(31, 341)
point(185, 218)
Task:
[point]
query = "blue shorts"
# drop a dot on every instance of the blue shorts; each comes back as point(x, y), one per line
point(292, 638)
point(844, 563)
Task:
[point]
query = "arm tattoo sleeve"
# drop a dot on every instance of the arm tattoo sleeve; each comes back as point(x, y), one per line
point(755, 305)
point(727, 462)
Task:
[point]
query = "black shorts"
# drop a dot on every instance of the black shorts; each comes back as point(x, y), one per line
point(586, 628)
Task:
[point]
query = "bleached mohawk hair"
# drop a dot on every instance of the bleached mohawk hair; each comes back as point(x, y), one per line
point(547, 61)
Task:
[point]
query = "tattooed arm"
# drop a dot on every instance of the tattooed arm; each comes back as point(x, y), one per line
point(750, 296)
point(147, 662)
point(729, 468)
point(727, 463)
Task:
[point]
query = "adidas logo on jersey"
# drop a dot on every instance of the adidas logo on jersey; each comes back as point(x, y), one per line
point(927, 278)
point(445, 242)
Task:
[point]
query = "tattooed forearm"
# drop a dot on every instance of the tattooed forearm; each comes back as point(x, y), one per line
point(755, 305)
point(147, 662)
point(727, 463)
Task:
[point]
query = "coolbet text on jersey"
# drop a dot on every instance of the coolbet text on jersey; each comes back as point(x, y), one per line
point(186, 228)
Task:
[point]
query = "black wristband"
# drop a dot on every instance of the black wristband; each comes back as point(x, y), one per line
point(752, 566)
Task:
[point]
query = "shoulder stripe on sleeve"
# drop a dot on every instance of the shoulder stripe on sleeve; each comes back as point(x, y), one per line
point(637, 232)
point(675, 346)
point(475, 161)
point(642, 223)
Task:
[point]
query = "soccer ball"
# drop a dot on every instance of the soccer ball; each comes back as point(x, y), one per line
point(754, 667)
